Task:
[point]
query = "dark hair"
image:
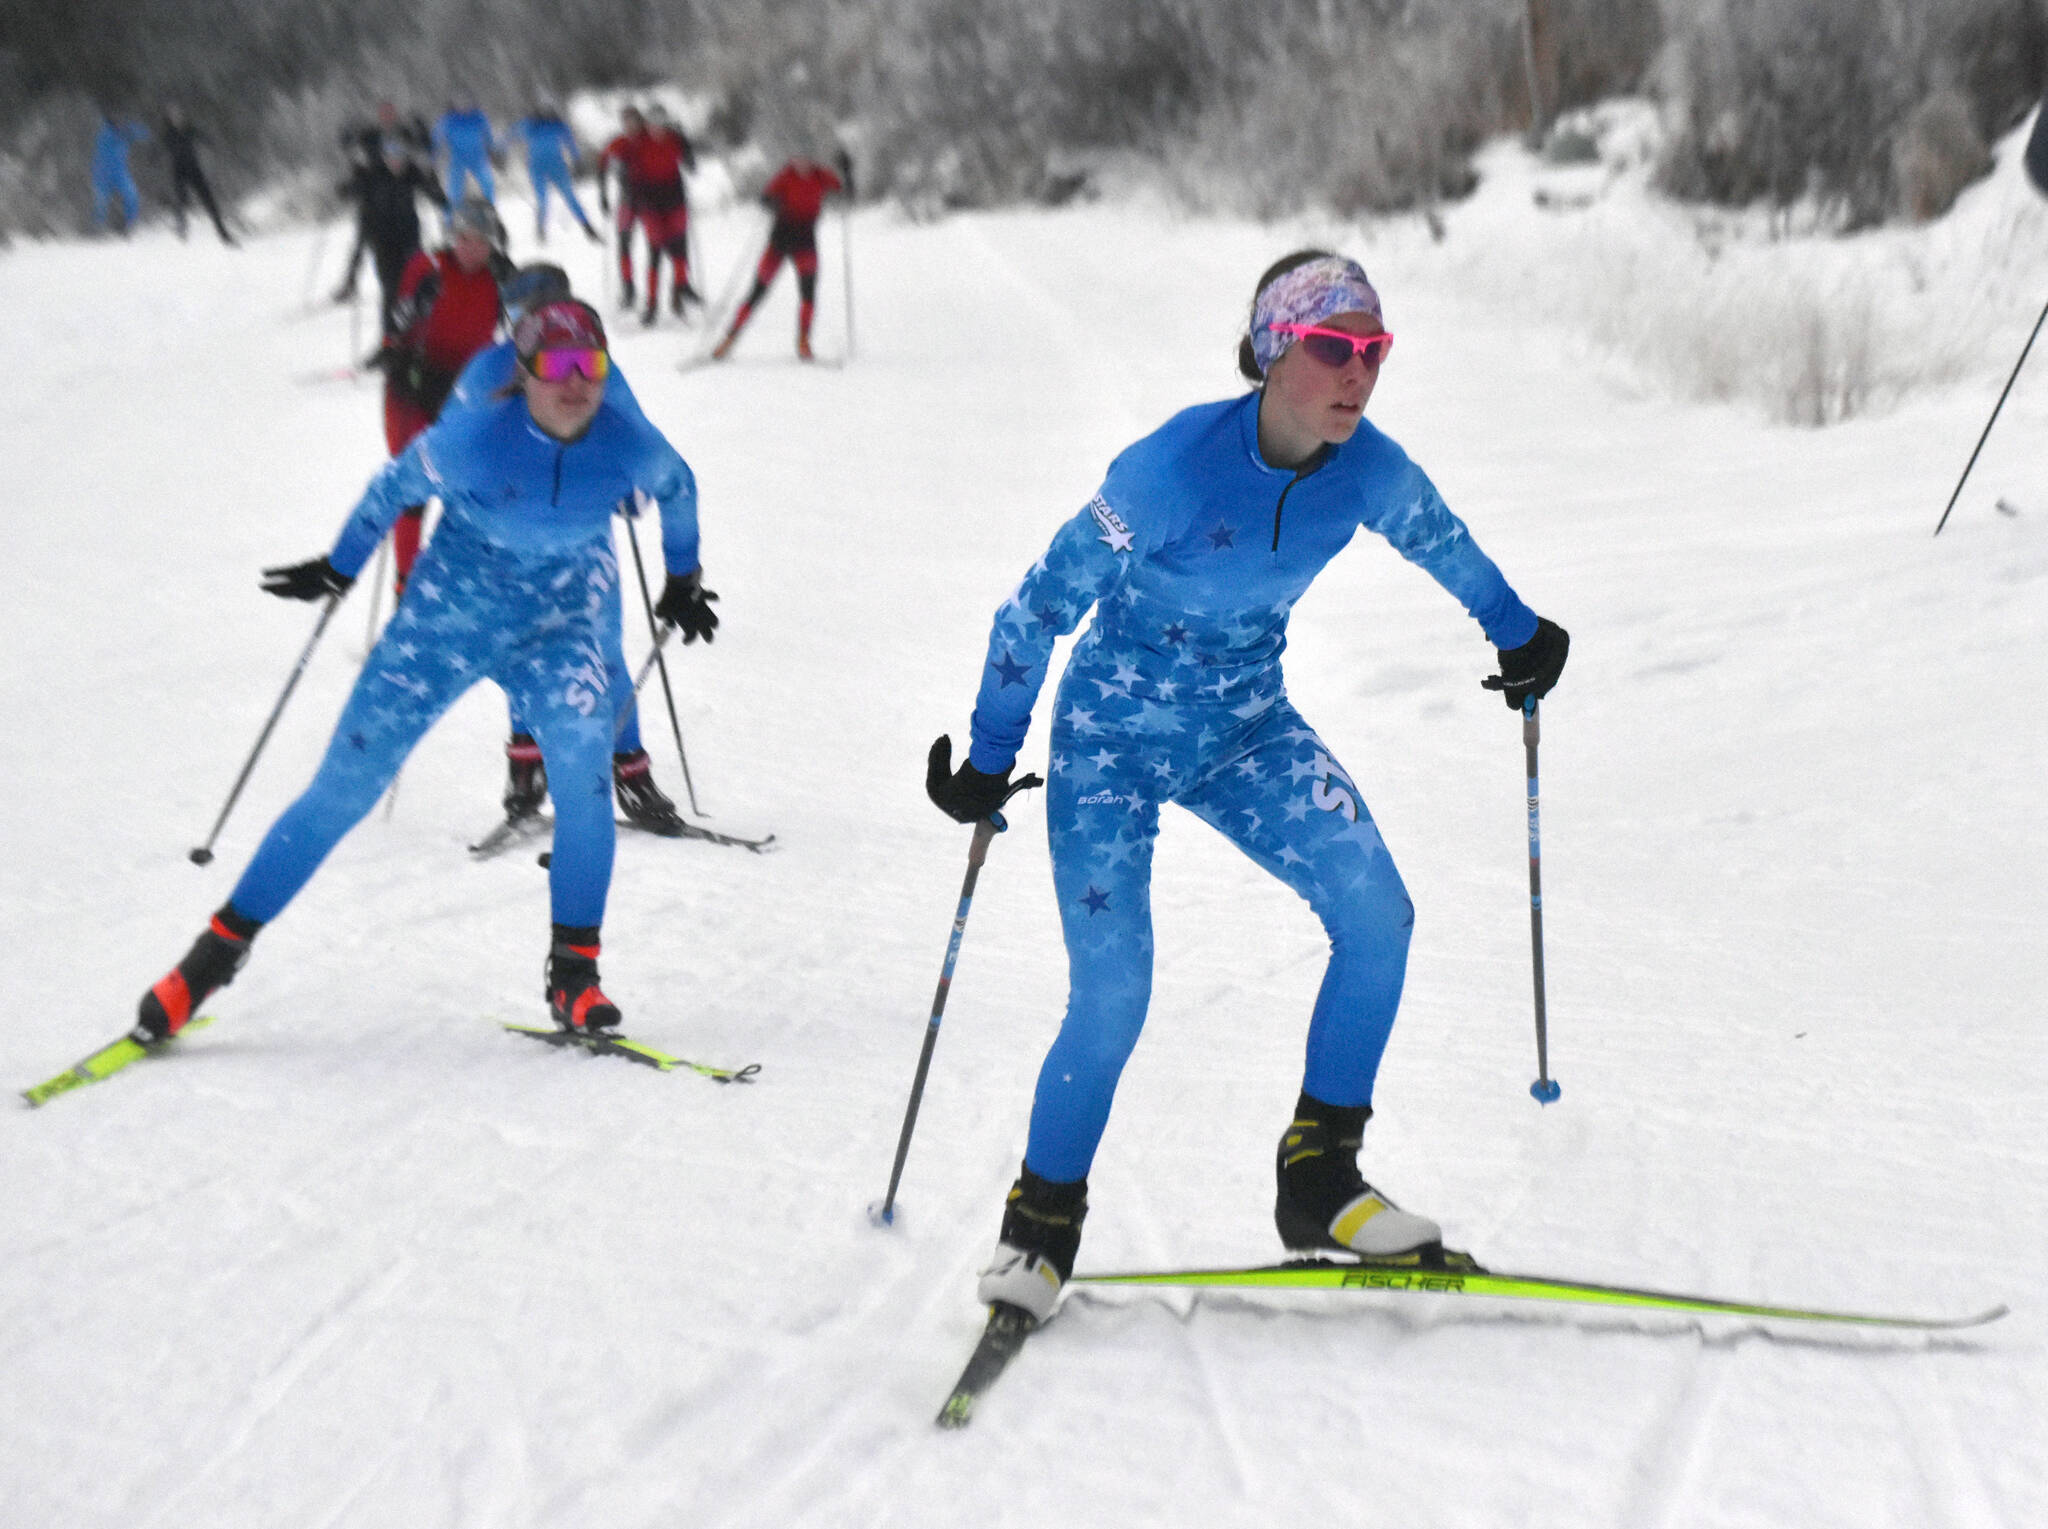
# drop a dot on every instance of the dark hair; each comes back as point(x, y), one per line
point(1247, 363)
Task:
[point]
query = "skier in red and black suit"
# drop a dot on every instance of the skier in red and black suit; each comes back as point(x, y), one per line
point(652, 156)
point(796, 196)
point(446, 311)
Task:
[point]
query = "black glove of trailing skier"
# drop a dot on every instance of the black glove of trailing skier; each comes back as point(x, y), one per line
point(1533, 668)
point(306, 581)
point(966, 795)
point(687, 603)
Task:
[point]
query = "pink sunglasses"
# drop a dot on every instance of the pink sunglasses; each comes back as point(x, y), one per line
point(1336, 347)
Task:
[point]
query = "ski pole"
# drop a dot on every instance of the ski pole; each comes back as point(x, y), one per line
point(313, 266)
point(1952, 498)
point(203, 854)
point(376, 595)
point(846, 270)
point(985, 831)
point(1544, 1090)
point(640, 679)
point(728, 296)
point(647, 600)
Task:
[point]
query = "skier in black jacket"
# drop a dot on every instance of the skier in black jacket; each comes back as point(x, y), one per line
point(181, 142)
point(362, 146)
point(385, 191)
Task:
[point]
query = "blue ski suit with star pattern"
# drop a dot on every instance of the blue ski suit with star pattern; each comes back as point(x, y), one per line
point(1192, 554)
point(487, 375)
point(519, 585)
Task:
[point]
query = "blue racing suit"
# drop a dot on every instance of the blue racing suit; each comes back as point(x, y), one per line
point(551, 162)
point(465, 137)
point(1192, 554)
point(519, 585)
point(111, 177)
point(488, 373)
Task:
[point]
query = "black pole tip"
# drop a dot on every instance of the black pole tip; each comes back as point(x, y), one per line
point(202, 856)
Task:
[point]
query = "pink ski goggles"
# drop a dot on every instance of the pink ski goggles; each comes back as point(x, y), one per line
point(1336, 347)
point(559, 365)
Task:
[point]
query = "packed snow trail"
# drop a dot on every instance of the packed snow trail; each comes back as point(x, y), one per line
point(359, 1258)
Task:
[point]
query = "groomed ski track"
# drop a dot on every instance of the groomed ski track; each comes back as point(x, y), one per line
point(357, 1258)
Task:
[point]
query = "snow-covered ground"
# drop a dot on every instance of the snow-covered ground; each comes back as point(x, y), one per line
point(355, 1258)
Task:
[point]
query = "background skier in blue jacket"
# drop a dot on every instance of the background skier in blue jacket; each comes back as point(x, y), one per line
point(464, 134)
point(516, 587)
point(1192, 554)
point(112, 179)
point(552, 160)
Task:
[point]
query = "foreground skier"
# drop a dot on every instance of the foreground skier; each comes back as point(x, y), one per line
point(516, 587)
point(1198, 544)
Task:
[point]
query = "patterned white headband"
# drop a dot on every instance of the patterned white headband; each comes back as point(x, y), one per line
point(1308, 294)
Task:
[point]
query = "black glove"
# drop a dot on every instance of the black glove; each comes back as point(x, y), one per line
point(687, 604)
point(306, 581)
point(1533, 668)
point(966, 795)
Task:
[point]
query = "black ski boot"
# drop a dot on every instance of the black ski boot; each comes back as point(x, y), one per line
point(575, 1002)
point(640, 799)
point(209, 966)
point(1324, 1202)
point(526, 784)
point(1035, 1251)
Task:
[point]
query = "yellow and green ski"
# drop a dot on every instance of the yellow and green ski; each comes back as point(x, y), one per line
point(105, 1062)
point(1459, 1276)
point(609, 1044)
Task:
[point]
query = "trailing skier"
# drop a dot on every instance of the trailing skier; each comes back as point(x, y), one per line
point(181, 141)
point(652, 154)
point(796, 196)
point(1192, 554)
point(517, 587)
point(463, 135)
point(112, 179)
point(641, 801)
point(386, 187)
point(552, 160)
point(388, 144)
point(446, 311)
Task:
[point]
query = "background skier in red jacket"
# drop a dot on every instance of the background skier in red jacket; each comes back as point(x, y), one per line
point(652, 154)
point(796, 195)
point(446, 311)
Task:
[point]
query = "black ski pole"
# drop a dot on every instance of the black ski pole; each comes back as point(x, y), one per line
point(203, 854)
point(1965, 478)
point(884, 1214)
point(640, 679)
point(1544, 1089)
point(647, 600)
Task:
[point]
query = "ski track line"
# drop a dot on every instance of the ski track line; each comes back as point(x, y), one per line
point(1953, 1491)
point(313, 1344)
point(796, 1493)
point(1671, 1459)
point(1158, 1253)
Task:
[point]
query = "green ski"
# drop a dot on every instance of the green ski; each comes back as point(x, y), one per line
point(104, 1063)
point(1322, 1274)
point(634, 1051)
